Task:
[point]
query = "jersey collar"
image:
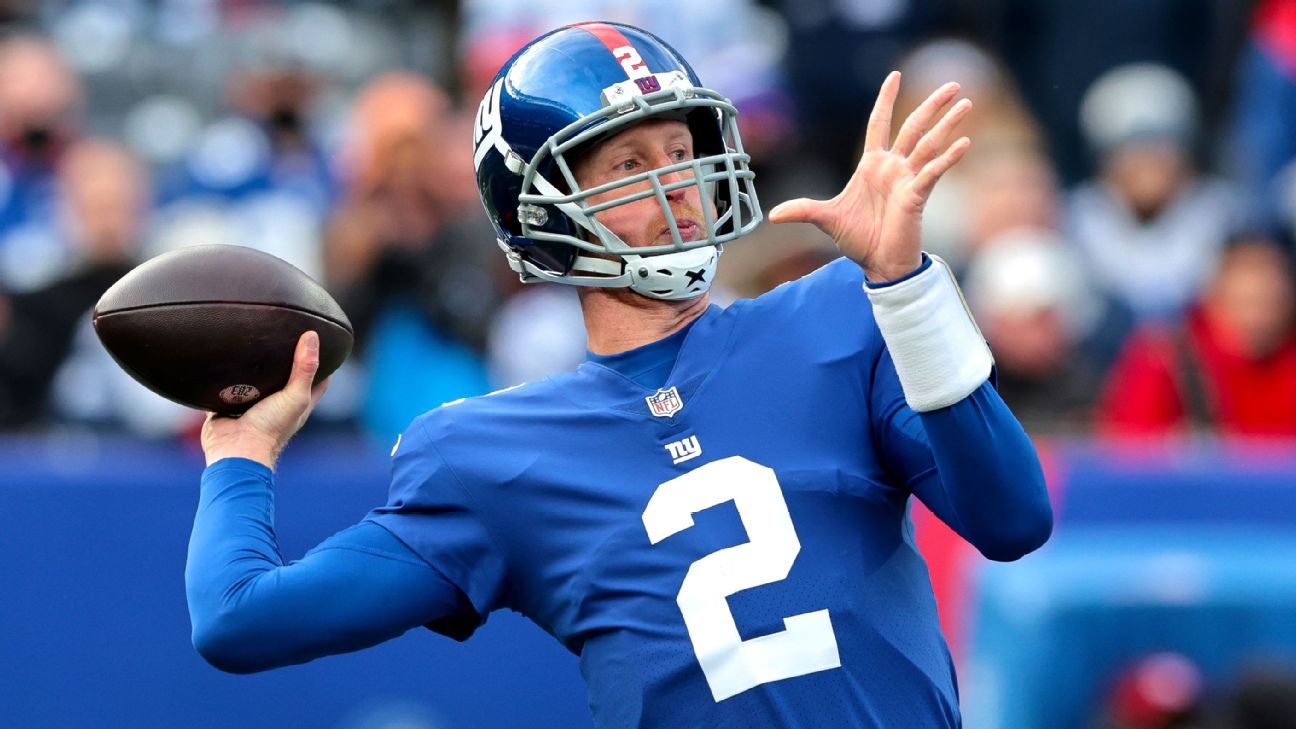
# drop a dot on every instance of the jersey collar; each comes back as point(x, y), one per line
point(696, 350)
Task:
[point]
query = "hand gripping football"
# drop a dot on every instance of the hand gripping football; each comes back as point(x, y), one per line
point(214, 327)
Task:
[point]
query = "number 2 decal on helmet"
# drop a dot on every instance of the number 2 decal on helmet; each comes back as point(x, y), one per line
point(630, 61)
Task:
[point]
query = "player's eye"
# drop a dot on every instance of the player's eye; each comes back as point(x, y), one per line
point(680, 155)
point(627, 165)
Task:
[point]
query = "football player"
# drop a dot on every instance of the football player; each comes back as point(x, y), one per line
point(712, 510)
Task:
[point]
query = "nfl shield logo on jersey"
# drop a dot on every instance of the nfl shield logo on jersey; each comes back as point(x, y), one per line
point(665, 403)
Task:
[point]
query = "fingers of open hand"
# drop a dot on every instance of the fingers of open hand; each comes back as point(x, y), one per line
point(932, 171)
point(933, 142)
point(920, 120)
point(879, 126)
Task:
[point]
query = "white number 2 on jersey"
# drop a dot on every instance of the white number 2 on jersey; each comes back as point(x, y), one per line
point(733, 665)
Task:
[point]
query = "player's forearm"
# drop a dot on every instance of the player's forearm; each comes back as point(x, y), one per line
point(232, 543)
point(989, 485)
point(250, 612)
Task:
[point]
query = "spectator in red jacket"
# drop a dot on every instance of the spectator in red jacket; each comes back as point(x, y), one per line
point(1229, 366)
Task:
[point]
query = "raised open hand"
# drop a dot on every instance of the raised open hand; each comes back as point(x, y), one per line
point(876, 220)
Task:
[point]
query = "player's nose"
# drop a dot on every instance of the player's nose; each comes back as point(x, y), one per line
point(678, 180)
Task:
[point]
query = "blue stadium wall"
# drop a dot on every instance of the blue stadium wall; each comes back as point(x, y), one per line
point(94, 631)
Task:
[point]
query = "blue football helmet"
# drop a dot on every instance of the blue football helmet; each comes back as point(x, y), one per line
point(576, 86)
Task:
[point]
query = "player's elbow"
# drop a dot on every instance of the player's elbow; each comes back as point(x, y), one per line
point(1019, 535)
point(222, 642)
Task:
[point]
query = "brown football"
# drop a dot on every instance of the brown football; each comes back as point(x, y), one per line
point(214, 327)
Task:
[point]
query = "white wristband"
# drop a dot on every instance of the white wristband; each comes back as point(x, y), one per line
point(938, 350)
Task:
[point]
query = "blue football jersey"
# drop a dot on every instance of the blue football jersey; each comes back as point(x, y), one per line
point(731, 550)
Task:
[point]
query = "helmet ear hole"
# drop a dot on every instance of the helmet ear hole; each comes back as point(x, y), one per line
point(556, 258)
point(553, 257)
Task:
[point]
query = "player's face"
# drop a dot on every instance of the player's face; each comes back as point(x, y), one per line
point(645, 146)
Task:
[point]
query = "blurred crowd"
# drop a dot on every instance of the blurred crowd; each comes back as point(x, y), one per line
point(1122, 225)
point(1168, 690)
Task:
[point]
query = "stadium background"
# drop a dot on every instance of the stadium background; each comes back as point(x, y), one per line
point(1122, 231)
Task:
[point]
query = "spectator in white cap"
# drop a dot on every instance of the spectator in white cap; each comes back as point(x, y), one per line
point(1151, 224)
point(1048, 327)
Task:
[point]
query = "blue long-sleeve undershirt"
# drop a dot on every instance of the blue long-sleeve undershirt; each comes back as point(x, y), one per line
point(251, 612)
point(986, 482)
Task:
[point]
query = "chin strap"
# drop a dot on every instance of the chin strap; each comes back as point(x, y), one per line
point(671, 276)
